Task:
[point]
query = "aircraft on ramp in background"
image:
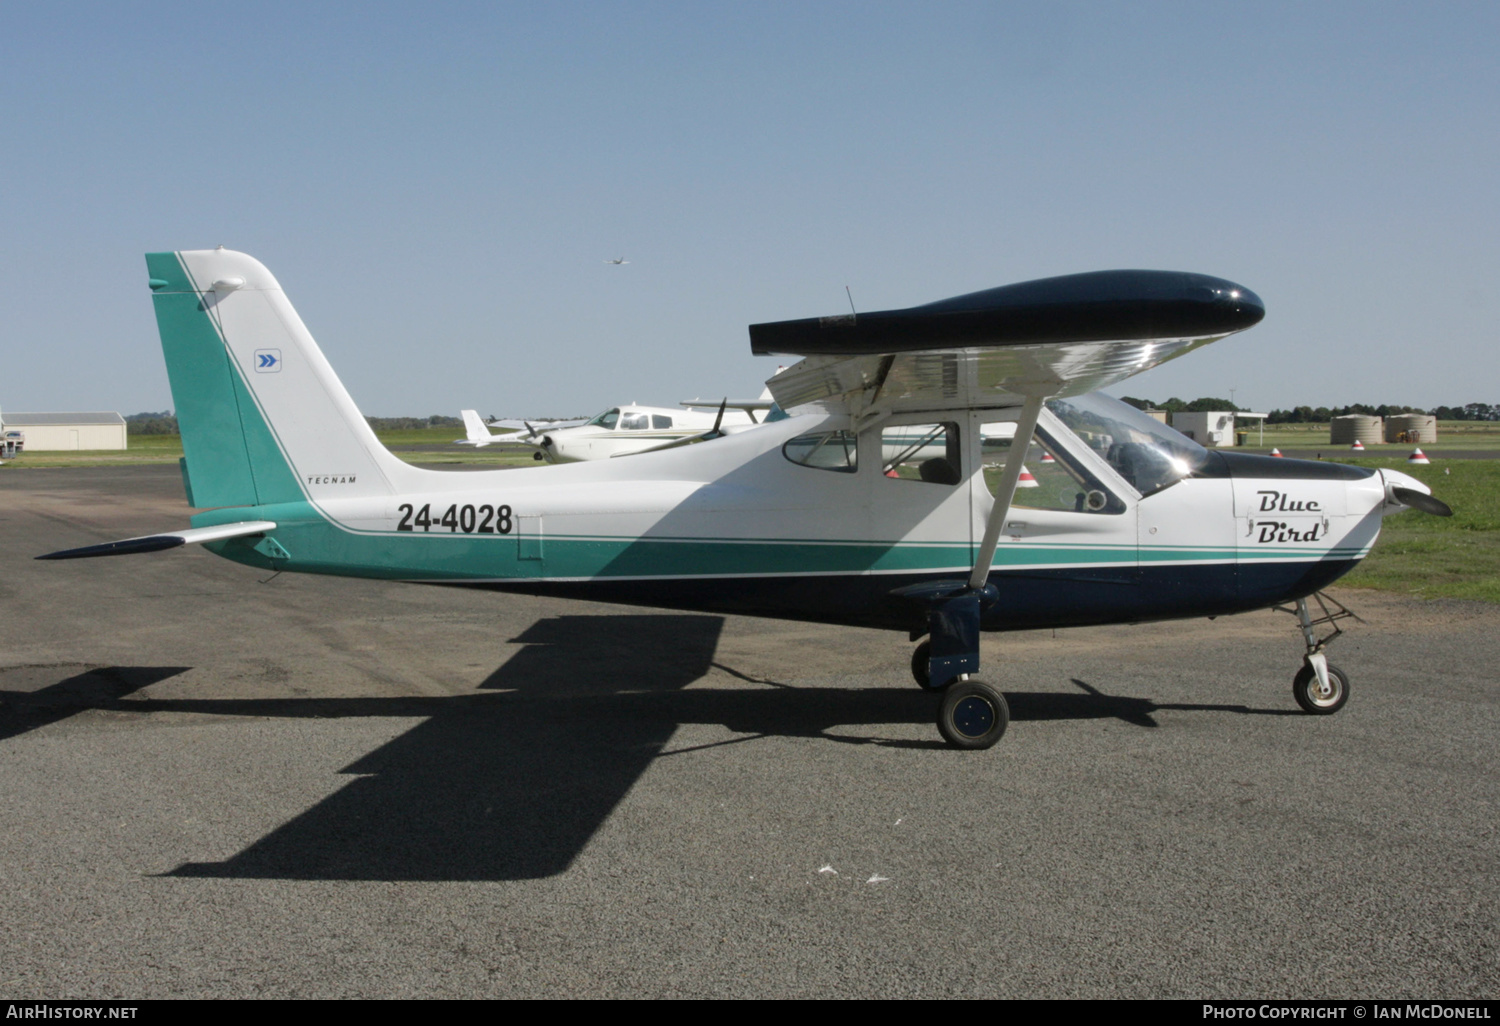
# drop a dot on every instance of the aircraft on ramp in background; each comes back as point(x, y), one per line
point(801, 518)
point(618, 431)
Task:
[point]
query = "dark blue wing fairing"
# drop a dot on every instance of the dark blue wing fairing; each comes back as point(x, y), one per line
point(1094, 307)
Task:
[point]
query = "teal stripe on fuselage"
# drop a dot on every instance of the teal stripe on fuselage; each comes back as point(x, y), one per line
point(1276, 553)
point(316, 545)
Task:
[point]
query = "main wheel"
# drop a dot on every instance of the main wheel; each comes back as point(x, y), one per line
point(1312, 699)
point(973, 715)
point(919, 662)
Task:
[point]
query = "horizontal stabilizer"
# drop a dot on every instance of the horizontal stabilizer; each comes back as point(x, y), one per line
point(169, 540)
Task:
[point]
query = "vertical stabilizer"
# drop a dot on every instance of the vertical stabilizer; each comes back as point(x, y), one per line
point(264, 419)
point(475, 429)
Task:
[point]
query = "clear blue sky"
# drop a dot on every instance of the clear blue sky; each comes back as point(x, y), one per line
point(437, 186)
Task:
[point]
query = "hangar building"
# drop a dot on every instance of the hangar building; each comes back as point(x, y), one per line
point(66, 431)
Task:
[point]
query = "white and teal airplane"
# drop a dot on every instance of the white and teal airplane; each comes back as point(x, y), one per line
point(872, 505)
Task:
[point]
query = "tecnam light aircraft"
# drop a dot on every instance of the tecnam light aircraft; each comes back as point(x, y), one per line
point(808, 516)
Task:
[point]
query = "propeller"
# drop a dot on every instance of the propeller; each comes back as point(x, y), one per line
point(1422, 501)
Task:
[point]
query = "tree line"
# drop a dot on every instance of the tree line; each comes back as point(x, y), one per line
point(165, 423)
point(1321, 414)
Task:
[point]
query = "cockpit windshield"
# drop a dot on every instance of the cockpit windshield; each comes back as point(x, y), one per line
point(607, 419)
point(1142, 450)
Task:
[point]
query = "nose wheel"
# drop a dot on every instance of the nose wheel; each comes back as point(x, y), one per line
point(1318, 698)
point(1320, 688)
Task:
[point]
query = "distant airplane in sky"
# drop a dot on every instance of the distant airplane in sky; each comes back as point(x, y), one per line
point(617, 261)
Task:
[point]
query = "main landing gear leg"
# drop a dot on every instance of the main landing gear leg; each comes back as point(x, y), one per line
point(971, 714)
point(1320, 688)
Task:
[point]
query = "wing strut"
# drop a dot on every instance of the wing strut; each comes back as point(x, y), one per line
point(955, 608)
point(1005, 493)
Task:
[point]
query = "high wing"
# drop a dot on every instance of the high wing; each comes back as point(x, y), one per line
point(1017, 345)
point(1050, 337)
point(765, 401)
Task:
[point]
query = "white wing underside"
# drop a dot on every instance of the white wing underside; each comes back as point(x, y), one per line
point(970, 378)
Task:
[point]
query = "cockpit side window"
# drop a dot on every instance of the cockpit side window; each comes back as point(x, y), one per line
point(1145, 452)
point(921, 452)
point(1051, 477)
point(634, 421)
point(827, 450)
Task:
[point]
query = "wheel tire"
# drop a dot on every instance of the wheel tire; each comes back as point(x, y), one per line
point(1305, 690)
point(973, 715)
point(919, 662)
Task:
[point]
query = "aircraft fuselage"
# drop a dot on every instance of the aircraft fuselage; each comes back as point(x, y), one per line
point(737, 525)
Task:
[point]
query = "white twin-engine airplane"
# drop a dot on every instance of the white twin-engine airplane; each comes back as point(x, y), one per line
point(618, 431)
point(872, 505)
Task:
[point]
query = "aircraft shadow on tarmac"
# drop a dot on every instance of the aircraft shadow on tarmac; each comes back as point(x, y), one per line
point(24, 709)
point(511, 783)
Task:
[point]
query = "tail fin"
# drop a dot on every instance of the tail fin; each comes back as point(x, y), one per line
point(264, 419)
point(476, 432)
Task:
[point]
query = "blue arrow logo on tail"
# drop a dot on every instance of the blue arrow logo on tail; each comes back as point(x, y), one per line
point(267, 361)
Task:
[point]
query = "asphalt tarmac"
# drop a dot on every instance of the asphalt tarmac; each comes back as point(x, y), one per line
point(217, 786)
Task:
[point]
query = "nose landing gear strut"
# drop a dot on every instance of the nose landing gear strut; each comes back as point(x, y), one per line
point(1320, 688)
